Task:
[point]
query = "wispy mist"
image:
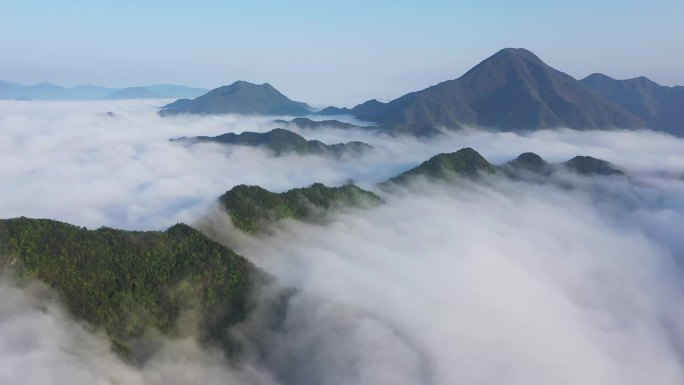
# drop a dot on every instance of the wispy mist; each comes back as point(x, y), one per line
point(575, 280)
point(498, 282)
point(72, 161)
point(40, 344)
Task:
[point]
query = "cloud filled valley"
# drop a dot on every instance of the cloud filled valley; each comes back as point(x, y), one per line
point(71, 161)
point(562, 280)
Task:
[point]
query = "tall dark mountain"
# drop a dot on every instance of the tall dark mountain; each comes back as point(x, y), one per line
point(511, 90)
point(661, 107)
point(239, 98)
point(282, 141)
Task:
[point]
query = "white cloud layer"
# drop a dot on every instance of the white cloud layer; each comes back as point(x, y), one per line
point(502, 282)
point(71, 161)
point(487, 282)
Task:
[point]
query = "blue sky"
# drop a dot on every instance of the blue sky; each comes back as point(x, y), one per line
point(330, 52)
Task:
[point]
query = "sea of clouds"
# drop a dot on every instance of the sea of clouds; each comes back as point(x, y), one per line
point(573, 280)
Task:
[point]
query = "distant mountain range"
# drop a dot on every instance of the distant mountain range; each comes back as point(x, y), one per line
point(282, 141)
point(239, 98)
point(512, 90)
point(662, 108)
point(48, 91)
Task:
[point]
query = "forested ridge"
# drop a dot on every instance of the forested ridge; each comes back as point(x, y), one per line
point(252, 208)
point(127, 282)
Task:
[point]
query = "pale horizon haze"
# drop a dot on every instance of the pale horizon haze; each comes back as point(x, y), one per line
point(326, 53)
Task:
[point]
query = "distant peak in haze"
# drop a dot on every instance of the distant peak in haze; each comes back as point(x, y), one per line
point(241, 86)
point(599, 77)
point(46, 84)
point(49, 91)
point(241, 97)
point(661, 107)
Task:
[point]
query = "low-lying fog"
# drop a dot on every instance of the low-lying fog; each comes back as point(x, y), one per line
point(479, 282)
point(72, 161)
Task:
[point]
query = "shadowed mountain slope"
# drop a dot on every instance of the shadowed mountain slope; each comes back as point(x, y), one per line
point(511, 90)
point(239, 98)
point(661, 107)
point(129, 282)
point(252, 208)
point(587, 165)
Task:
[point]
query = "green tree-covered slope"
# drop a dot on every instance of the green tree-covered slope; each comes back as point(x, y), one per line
point(446, 166)
point(127, 282)
point(252, 208)
point(587, 165)
point(282, 141)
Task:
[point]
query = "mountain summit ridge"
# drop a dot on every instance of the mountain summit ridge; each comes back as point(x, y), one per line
point(240, 97)
point(512, 90)
point(661, 107)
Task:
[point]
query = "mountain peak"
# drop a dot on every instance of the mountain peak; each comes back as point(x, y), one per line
point(465, 162)
point(511, 90)
point(587, 165)
point(530, 162)
point(519, 59)
point(243, 83)
point(240, 97)
point(597, 78)
point(661, 107)
point(517, 52)
point(47, 85)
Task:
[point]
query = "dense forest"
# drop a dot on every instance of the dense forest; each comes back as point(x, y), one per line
point(252, 208)
point(132, 282)
point(128, 282)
